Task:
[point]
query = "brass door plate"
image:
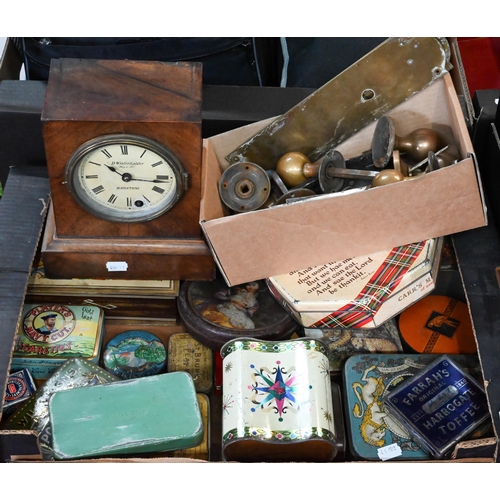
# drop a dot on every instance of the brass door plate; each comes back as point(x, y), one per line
point(382, 79)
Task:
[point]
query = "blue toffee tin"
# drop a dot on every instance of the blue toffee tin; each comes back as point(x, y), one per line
point(133, 354)
point(439, 406)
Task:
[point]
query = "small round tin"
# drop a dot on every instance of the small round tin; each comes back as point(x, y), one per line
point(214, 313)
point(438, 324)
point(134, 353)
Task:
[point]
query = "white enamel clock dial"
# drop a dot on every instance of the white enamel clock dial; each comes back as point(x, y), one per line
point(125, 178)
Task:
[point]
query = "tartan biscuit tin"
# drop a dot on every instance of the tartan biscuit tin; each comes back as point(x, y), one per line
point(20, 387)
point(367, 380)
point(277, 403)
point(187, 354)
point(50, 334)
point(346, 342)
point(134, 353)
point(439, 406)
point(360, 292)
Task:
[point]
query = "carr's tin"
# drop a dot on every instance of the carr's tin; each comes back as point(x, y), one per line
point(187, 354)
point(439, 406)
point(360, 292)
point(368, 380)
point(50, 334)
point(277, 401)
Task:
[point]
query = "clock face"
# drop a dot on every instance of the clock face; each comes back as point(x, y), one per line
point(125, 178)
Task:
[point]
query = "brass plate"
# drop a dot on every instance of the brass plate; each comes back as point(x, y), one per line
point(379, 81)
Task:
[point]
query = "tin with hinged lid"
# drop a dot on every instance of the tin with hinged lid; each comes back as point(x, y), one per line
point(50, 334)
point(439, 406)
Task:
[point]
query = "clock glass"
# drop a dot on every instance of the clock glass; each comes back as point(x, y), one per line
point(125, 178)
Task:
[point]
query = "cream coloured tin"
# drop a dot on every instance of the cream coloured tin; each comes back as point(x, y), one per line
point(360, 292)
point(277, 401)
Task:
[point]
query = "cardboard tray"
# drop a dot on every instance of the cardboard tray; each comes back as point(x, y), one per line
point(279, 239)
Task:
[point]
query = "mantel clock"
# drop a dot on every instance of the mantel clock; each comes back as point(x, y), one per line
point(123, 147)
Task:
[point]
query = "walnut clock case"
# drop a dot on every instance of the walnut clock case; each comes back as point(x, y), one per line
point(123, 147)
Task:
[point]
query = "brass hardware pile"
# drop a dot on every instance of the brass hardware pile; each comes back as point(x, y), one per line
point(245, 186)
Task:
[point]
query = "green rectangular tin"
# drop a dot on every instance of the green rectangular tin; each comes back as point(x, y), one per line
point(50, 334)
point(143, 415)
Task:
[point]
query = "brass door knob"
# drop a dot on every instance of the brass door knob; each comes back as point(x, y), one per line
point(416, 145)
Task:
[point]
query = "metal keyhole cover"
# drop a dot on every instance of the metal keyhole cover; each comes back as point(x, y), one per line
point(244, 187)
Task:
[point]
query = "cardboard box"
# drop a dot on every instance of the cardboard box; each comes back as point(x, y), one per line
point(281, 239)
point(21, 224)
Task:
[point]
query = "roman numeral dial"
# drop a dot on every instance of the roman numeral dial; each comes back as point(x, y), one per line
point(125, 178)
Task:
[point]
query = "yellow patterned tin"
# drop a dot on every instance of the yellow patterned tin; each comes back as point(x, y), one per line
point(50, 334)
point(187, 354)
point(202, 451)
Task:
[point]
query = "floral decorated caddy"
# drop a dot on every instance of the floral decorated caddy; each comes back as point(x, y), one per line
point(277, 401)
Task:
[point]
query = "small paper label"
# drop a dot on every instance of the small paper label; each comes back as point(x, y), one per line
point(389, 451)
point(116, 266)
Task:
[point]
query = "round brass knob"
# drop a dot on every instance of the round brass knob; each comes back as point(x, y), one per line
point(387, 176)
point(295, 168)
point(416, 145)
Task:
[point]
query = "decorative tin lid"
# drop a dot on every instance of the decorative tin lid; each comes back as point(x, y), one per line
point(440, 405)
point(438, 324)
point(134, 353)
point(214, 313)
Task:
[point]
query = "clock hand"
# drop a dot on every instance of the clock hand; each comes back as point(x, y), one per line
point(148, 180)
point(128, 177)
point(113, 169)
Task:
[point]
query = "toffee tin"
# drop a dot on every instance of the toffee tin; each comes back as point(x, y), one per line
point(134, 353)
point(439, 406)
point(277, 401)
point(368, 380)
point(50, 334)
point(361, 292)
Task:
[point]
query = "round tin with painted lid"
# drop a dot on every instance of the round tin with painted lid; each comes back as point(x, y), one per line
point(438, 324)
point(133, 354)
